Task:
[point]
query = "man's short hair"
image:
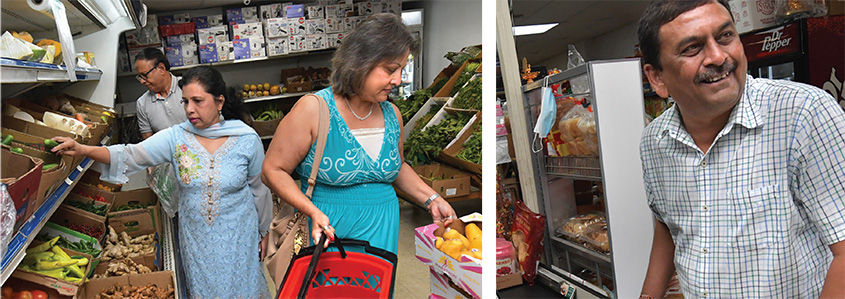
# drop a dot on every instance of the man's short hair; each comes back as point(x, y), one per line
point(155, 55)
point(658, 14)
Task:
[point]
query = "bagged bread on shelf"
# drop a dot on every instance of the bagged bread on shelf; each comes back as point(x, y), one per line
point(595, 237)
point(578, 130)
point(577, 225)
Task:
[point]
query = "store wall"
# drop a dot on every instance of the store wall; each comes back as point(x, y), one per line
point(449, 26)
point(618, 43)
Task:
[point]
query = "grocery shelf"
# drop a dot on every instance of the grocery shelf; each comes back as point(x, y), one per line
point(17, 246)
point(582, 251)
point(276, 97)
point(565, 75)
point(230, 62)
point(579, 168)
point(18, 71)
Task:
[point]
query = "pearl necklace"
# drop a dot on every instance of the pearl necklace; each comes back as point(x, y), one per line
point(356, 115)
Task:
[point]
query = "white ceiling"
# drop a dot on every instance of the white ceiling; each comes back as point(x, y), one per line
point(579, 20)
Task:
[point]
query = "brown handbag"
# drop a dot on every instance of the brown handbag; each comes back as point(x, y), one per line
point(289, 229)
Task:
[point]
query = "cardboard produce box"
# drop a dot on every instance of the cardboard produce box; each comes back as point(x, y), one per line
point(450, 153)
point(95, 286)
point(51, 230)
point(447, 88)
point(42, 130)
point(22, 181)
point(97, 127)
point(146, 260)
point(18, 285)
point(443, 288)
point(74, 198)
point(466, 272)
point(61, 286)
point(510, 280)
point(51, 178)
point(66, 217)
point(92, 178)
point(447, 181)
point(144, 197)
point(140, 222)
point(296, 80)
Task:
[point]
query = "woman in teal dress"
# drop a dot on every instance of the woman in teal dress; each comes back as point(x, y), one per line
point(354, 196)
point(224, 209)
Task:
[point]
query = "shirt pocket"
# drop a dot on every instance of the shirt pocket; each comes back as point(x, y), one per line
point(756, 218)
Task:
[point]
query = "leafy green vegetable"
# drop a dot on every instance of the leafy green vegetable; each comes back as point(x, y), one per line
point(438, 84)
point(472, 147)
point(470, 96)
point(88, 206)
point(423, 146)
point(413, 104)
point(464, 77)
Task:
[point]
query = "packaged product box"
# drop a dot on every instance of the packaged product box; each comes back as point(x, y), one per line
point(295, 11)
point(247, 30)
point(234, 15)
point(241, 48)
point(296, 26)
point(166, 20)
point(190, 54)
point(464, 272)
point(313, 27)
point(393, 6)
point(296, 43)
point(752, 15)
point(349, 23)
point(316, 12)
point(276, 27)
point(340, 10)
point(271, 11)
point(334, 25)
point(315, 42)
point(257, 47)
point(22, 181)
point(200, 22)
point(277, 46)
point(368, 8)
point(178, 40)
point(250, 14)
point(152, 21)
point(333, 40)
point(208, 53)
point(215, 20)
point(296, 79)
point(174, 55)
point(61, 286)
point(443, 288)
point(181, 18)
point(447, 181)
point(162, 279)
point(212, 35)
point(225, 51)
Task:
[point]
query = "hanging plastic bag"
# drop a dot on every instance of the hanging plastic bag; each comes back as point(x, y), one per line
point(578, 84)
point(578, 130)
point(164, 183)
point(7, 219)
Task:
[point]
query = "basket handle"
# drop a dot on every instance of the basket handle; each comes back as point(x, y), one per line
point(315, 257)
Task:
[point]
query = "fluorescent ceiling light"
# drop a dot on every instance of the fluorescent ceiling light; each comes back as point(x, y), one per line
point(532, 29)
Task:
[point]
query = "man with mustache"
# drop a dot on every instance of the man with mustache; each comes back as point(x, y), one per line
point(745, 177)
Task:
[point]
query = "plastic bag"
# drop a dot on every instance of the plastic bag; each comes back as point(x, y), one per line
point(791, 10)
point(578, 129)
point(7, 219)
point(164, 183)
point(527, 236)
point(578, 84)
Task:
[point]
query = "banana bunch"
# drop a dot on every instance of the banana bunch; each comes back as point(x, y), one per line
point(270, 112)
point(49, 259)
point(454, 244)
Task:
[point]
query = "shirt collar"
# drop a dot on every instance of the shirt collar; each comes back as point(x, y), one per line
point(173, 84)
point(747, 113)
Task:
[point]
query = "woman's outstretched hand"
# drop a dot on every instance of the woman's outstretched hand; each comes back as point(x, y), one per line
point(69, 147)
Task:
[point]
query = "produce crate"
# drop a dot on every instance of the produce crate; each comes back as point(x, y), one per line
point(65, 217)
point(92, 178)
point(146, 260)
point(35, 142)
point(447, 181)
point(425, 109)
point(63, 287)
point(22, 181)
point(97, 285)
point(446, 89)
point(49, 179)
point(443, 288)
point(97, 126)
point(296, 86)
point(18, 285)
point(449, 154)
point(143, 196)
point(51, 230)
point(76, 198)
point(40, 130)
point(141, 222)
point(466, 272)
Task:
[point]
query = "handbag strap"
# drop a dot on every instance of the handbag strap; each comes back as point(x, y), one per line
point(322, 134)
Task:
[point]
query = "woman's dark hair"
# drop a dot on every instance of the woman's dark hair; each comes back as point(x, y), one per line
point(658, 14)
point(379, 38)
point(212, 82)
point(155, 55)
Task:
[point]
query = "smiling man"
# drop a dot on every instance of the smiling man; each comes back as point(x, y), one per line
point(745, 176)
point(161, 105)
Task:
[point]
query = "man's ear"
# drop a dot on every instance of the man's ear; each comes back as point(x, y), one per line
point(655, 78)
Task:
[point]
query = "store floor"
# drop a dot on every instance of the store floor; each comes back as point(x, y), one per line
point(412, 276)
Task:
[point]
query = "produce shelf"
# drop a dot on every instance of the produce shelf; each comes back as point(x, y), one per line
point(17, 246)
point(18, 71)
point(579, 168)
point(276, 97)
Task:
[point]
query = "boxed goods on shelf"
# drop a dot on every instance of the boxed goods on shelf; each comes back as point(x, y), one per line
point(270, 11)
point(212, 35)
point(315, 12)
point(64, 284)
point(296, 43)
point(508, 273)
point(132, 202)
point(296, 80)
point(163, 282)
point(334, 25)
point(277, 46)
point(315, 42)
point(295, 11)
point(208, 53)
point(333, 40)
point(267, 119)
point(39, 130)
point(23, 180)
point(465, 271)
point(276, 27)
point(447, 181)
point(55, 167)
point(72, 219)
point(16, 285)
point(339, 10)
point(296, 26)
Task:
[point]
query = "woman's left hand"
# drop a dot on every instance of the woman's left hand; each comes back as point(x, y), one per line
point(262, 247)
point(441, 211)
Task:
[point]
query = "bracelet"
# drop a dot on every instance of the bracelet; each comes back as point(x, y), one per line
point(644, 296)
point(430, 199)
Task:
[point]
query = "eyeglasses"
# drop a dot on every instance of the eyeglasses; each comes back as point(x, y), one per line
point(142, 78)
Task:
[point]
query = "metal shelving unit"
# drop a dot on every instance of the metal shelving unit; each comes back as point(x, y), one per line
point(19, 71)
point(615, 91)
point(231, 62)
point(17, 246)
point(296, 95)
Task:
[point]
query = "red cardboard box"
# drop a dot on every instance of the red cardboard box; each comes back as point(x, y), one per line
point(22, 174)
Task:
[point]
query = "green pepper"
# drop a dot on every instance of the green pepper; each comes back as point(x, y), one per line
point(8, 139)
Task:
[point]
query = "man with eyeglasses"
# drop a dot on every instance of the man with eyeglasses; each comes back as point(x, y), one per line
point(161, 105)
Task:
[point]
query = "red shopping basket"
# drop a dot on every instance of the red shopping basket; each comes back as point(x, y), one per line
point(340, 274)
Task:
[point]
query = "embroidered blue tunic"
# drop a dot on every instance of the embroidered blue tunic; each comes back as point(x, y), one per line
point(352, 189)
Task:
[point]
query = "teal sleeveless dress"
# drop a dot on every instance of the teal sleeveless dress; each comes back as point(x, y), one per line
point(354, 191)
